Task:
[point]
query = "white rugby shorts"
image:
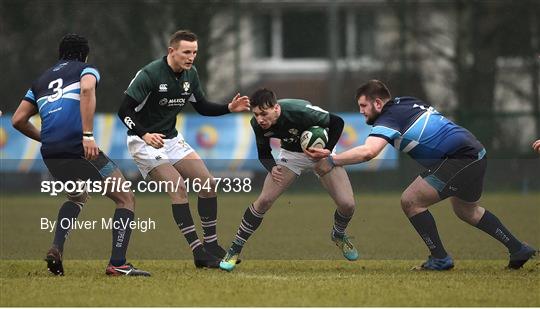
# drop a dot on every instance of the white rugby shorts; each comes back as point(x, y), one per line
point(147, 157)
point(295, 161)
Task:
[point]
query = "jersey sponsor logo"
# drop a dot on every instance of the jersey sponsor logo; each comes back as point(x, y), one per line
point(268, 134)
point(55, 110)
point(177, 102)
point(129, 123)
point(163, 87)
point(172, 102)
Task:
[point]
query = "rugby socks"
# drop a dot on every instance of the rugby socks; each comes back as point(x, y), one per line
point(340, 224)
point(120, 235)
point(182, 217)
point(490, 224)
point(424, 223)
point(250, 222)
point(207, 208)
point(66, 215)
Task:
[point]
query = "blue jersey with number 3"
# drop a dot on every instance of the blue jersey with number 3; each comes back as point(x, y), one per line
point(414, 127)
point(56, 95)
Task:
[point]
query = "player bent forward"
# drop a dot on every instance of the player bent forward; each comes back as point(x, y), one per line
point(286, 119)
point(455, 163)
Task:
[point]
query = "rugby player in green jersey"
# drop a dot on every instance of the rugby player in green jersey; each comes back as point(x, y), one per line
point(152, 101)
point(286, 119)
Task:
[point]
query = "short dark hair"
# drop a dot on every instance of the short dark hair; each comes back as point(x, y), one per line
point(373, 89)
point(263, 98)
point(182, 35)
point(73, 47)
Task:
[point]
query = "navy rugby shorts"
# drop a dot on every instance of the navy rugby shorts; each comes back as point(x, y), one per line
point(459, 177)
point(65, 169)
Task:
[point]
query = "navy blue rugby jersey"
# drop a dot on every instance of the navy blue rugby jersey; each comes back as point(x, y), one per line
point(415, 128)
point(56, 94)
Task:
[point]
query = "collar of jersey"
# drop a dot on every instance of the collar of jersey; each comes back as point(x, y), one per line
point(173, 73)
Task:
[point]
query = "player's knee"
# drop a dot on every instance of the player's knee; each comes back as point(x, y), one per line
point(125, 200)
point(263, 204)
point(179, 195)
point(79, 198)
point(209, 188)
point(469, 214)
point(347, 207)
point(176, 191)
point(461, 214)
point(407, 203)
point(212, 183)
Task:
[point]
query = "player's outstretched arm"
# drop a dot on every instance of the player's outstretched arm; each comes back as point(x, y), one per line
point(21, 120)
point(371, 148)
point(536, 146)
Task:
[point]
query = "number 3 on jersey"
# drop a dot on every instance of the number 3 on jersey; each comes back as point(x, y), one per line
point(56, 86)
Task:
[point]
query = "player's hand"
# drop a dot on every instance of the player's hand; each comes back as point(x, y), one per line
point(154, 139)
point(323, 167)
point(536, 146)
point(317, 153)
point(91, 150)
point(277, 175)
point(239, 104)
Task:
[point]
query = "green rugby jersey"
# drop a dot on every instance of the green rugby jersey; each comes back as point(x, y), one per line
point(162, 94)
point(296, 117)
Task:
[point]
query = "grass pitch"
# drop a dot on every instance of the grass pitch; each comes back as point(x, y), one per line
point(290, 261)
point(272, 283)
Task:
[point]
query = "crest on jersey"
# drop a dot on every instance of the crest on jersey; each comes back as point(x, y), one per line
point(163, 87)
point(186, 86)
point(293, 131)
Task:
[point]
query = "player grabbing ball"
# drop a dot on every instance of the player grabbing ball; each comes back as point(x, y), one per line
point(286, 119)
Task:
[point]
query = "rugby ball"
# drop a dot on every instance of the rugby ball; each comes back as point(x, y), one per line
point(314, 137)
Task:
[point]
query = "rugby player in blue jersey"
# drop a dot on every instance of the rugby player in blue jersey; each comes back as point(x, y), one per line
point(455, 163)
point(65, 98)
